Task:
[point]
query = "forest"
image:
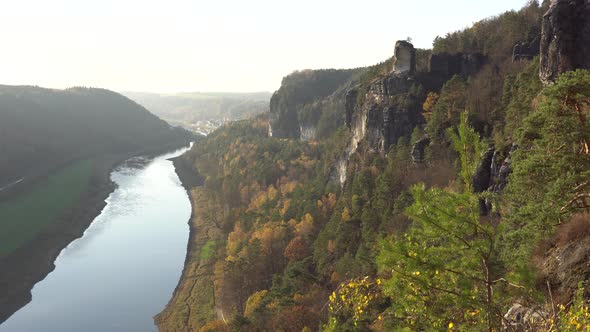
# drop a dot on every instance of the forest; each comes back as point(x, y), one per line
point(488, 231)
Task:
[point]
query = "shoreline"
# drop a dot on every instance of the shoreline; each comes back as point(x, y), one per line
point(188, 179)
point(193, 302)
point(30, 264)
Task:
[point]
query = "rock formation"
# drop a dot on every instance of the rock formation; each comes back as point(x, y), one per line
point(295, 109)
point(520, 319)
point(526, 50)
point(388, 112)
point(446, 65)
point(492, 176)
point(419, 150)
point(404, 58)
point(565, 38)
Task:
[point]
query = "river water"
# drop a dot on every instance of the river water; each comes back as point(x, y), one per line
point(124, 269)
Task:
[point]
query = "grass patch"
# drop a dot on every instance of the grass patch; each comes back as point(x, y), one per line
point(208, 250)
point(24, 216)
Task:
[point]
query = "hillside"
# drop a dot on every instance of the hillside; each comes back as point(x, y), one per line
point(57, 149)
point(41, 129)
point(202, 111)
point(451, 194)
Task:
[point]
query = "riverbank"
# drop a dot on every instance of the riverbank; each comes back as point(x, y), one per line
point(31, 263)
point(193, 302)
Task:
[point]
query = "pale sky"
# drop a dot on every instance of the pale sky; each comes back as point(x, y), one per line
point(223, 45)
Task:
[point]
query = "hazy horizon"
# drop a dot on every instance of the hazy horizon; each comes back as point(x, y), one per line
point(226, 46)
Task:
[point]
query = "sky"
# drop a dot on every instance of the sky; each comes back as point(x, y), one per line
point(217, 45)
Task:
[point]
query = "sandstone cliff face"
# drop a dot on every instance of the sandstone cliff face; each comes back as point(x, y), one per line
point(447, 65)
point(390, 107)
point(405, 58)
point(565, 38)
point(304, 97)
point(388, 112)
point(526, 50)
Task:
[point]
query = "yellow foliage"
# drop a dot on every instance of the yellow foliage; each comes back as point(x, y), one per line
point(215, 326)
point(254, 302)
point(354, 298)
point(346, 214)
point(331, 246)
point(285, 207)
point(428, 105)
point(305, 227)
point(234, 239)
point(288, 187)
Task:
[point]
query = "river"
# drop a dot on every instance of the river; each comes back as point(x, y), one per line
point(124, 269)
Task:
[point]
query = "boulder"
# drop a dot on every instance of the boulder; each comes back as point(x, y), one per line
point(565, 38)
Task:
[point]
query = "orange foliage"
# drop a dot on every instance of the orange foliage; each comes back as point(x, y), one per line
point(295, 319)
point(234, 241)
point(297, 249)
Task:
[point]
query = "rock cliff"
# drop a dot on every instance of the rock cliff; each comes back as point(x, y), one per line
point(389, 107)
point(526, 50)
point(307, 100)
point(565, 38)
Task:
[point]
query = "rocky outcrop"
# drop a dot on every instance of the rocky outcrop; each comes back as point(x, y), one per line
point(419, 150)
point(307, 133)
point(564, 261)
point(483, 174)
point(446, 65)
point(304, 96)
point(404, 58)
point(520, 319)
point(483, 178)
point(565, 38)
point(526, 50)
point(379, 113)
point(388, 112)
point(492, 175)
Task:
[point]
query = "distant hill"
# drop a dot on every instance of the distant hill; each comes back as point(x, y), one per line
point(191, 109)
point(44, 128)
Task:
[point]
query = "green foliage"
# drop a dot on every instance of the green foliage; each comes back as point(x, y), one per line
point(208, 250)
point(519, 92)
point(469, 147)
point(443, 267)
point(551, 166)
point(497, 35)
point(449, 105)
point(576, 317)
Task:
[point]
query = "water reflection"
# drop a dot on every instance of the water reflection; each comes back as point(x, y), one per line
point(125, 267)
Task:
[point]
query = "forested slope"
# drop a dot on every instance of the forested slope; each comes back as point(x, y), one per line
point(44, 128)
point(453, 197)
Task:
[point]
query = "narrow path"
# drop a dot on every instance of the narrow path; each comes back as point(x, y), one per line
point(12, 184)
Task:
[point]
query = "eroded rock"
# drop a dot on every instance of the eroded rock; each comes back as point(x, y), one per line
point(404, 58)
point(419, 150)
point(565, 38)
point(526, 50)
point(446, 65)
point(520, 319)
